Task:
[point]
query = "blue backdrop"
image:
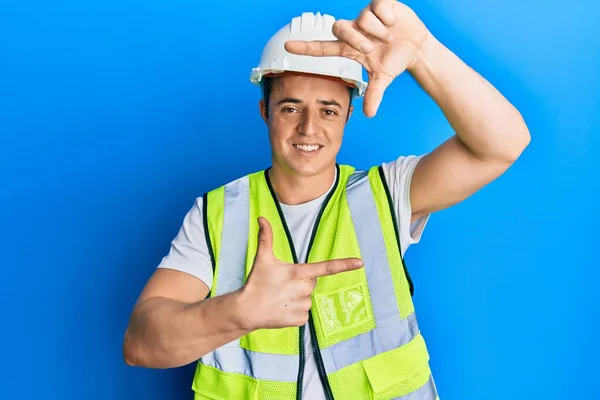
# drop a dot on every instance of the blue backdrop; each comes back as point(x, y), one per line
point(115, 115)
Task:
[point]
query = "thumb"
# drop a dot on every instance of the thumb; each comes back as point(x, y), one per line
point(374, 93)
point(264, 250)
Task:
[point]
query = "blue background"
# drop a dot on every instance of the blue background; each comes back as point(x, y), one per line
point(115, 115)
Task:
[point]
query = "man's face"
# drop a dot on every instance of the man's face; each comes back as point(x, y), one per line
point(306, 119)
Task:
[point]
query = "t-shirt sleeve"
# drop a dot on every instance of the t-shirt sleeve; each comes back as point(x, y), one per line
point(398, 175)
point(189, 251)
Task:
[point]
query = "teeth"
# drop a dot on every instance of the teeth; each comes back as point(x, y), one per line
point(306, 147)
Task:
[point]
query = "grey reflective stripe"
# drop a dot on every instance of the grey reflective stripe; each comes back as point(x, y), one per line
point(231, 276)
point(233, 358)
point(369, 344)
point(234, 240)
point(425, 392)
point(372, 248)
point(391, 331)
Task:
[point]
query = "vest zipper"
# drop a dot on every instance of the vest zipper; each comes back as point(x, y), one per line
point(300, 381)
point(319, 358)
point(301, 330)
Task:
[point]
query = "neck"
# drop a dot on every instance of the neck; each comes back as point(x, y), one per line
point(293, 189)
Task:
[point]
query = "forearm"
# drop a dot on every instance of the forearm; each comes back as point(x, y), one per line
point(488, 125)
point(165, 333)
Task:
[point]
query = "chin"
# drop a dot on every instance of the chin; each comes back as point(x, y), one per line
point(305, 166)
point(308, 170)
point(305, 172)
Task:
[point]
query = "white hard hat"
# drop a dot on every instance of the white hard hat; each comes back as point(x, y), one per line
point(275, 59)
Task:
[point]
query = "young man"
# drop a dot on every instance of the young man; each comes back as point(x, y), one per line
point(302, 263)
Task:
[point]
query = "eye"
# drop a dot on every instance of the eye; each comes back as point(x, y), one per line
point(289, 110)
point(329, 113)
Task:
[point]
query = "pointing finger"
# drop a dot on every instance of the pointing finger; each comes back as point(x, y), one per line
point(351, 43)
point(324, 268)
point(316, 48)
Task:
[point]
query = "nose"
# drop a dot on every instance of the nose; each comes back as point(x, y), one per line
point(309, 124)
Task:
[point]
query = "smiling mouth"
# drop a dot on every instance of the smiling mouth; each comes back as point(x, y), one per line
point(308, 148)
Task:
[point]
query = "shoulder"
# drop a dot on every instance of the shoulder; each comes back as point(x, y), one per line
point(401, 168)
point(398, 175)
point(243, 180)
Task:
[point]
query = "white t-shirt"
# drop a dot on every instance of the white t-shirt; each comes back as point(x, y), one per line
point(189, 252)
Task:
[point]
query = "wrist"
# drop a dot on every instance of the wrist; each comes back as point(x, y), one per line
point(425, 55)
point(243, 316)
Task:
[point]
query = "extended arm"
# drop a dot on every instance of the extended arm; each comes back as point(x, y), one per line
point(490, 132)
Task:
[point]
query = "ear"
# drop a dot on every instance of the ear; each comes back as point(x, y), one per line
point(264, 112)
point(350, 110)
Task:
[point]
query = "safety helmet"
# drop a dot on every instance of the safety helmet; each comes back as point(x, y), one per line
point(275, 59)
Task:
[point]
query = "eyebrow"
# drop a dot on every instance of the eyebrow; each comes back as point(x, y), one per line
point(298, 101)
point(289, 100)
point(330, 103)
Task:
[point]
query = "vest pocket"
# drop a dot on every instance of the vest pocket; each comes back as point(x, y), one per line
point(400, 371)
point(345, 309)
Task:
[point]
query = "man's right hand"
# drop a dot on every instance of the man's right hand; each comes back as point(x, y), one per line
point(278, 294)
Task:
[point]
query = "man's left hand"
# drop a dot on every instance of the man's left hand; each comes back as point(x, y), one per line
point(385, 38)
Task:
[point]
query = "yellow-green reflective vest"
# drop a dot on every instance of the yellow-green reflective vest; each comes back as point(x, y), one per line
point(362, 323)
